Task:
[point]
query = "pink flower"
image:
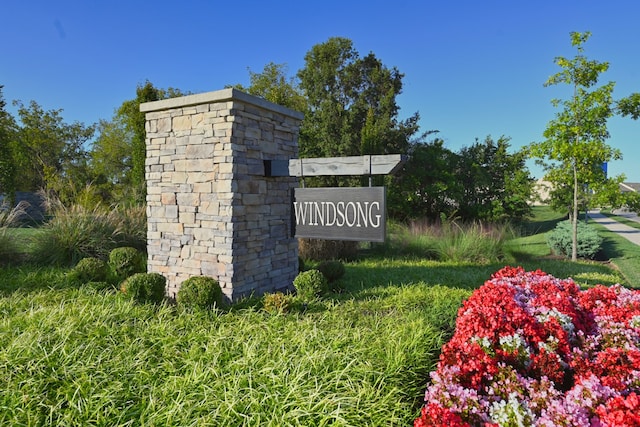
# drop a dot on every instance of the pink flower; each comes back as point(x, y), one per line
point(529, 347)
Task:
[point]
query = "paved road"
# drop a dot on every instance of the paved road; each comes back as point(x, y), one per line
point(630, 233)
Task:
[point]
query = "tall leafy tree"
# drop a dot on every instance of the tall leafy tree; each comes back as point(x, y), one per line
point(575, 146)
point(118, 154)
point(7, 163)
point(50, 153)
point(423, 188)
point(351, 104)
point(493, 184)
point(274, 85)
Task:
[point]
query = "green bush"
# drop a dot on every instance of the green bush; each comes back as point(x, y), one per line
point(89, 269)
point(201, 292)
point(276, 303)
point(145, 287)
point(126, 261)
point(332, 270)
point(320, 249)
point(560, 240)
point(310, 283)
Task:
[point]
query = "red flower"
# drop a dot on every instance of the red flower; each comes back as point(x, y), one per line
point(621, 412)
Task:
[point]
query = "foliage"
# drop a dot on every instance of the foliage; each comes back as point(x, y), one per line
point(9, 247)
point(200, 292)
point(494, 185)
point(417, 191)
point(7, 163)
point(530, 349)
point(481, 182)
point(118, 154)
point(75, 233)
point(125, 261)
point(274, 86)
point(50, 153)
point(276, 303)
point(448, 240)
point(74, 356)
point(332, 270)
point(311, 283)
point(319, 249)
point(574, 147)
point(351, 105)
point(145, 287)
point(561, 242)
point(89, 270)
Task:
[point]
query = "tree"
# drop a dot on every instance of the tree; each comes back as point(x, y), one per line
point(574, 145)
point(493, 184)
point(351, 104)
point(275, 86)
point(50, 153)
point(422, 189)
point(7, 163)
point(118, 154)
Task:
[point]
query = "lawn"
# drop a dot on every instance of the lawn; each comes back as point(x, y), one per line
point(76, 356)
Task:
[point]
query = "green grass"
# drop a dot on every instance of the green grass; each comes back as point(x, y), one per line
point(76, 356)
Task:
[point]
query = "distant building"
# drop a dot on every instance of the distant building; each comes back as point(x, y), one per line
point(626, 187)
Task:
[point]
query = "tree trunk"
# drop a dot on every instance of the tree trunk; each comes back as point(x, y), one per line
point(574, 219)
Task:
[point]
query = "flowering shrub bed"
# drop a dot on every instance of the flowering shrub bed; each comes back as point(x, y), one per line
point(533, 350)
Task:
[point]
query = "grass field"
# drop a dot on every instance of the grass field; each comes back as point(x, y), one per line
point(75, 356)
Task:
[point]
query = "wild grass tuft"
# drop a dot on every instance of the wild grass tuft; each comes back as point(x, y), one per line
point(77, 232)
point(9, 247)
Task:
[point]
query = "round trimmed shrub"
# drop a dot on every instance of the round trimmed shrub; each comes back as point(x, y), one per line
point(89, 269)
point(332, 270)
point(276, 302)
point(126, 261)
point(310, 283)
point(145, 287)
point(560, 240)
point(201, 292)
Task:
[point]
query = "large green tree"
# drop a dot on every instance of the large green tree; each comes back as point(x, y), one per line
point(492, 183)
point(50, 153)
point(575, 148)
point(119, 152)
point(351, 104)
point(7, 163)
point(274, 85)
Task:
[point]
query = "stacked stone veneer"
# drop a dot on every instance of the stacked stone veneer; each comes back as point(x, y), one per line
point(211, 210)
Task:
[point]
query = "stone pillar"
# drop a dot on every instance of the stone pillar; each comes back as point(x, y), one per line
point(211, 210)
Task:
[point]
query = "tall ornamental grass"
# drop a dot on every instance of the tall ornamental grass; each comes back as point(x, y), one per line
point(77, 232)
point(449, 240)
point(9, 246)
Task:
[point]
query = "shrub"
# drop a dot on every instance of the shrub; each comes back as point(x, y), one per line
point(310, 283)
point(74, 233)
point(89, 269)
point(276, 302)
point(126, 261)
point(560, 240)
point(201, 292)
point(145, 287)
point(332, 270)
point(320, 250)
point(9, 248)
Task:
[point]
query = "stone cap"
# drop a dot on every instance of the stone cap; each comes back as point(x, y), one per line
point(229, 94)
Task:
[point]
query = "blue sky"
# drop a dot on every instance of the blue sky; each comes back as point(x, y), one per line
point(471, 68)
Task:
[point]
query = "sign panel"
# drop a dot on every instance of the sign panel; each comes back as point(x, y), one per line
point(340, 213)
